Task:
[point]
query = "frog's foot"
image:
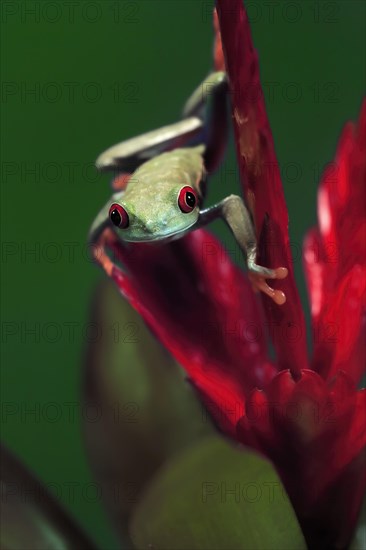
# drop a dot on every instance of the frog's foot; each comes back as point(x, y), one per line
point(258, 275)
point(120, 182)
point(99, 251)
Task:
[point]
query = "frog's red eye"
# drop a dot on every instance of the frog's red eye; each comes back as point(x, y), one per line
point(118, 216)
point(187, 199)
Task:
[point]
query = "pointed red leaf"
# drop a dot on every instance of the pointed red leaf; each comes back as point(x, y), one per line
point(200, 306)
point(260, 176)
point(342, 202)
point(335, 259)
point(337, 329)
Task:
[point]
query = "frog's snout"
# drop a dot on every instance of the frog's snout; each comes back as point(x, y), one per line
point(151, 227)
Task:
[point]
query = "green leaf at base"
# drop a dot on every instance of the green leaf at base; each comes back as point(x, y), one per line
point(147, 410)
point(216, 496)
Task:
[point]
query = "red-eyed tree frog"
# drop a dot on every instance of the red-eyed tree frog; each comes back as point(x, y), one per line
point(162, 199)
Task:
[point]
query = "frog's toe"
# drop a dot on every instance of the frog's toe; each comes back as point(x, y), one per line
point(258, 275)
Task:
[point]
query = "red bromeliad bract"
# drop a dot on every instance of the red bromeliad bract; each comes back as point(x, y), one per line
point(306, 416)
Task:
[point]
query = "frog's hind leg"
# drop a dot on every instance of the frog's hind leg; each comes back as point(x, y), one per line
point(209, 103)
point(204, 122)
point(128, 155)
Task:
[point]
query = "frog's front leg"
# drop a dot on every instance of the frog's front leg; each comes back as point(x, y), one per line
point(234, 212)
point(205, 121)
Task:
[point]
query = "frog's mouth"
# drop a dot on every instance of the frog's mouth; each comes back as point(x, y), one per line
point(161, 238)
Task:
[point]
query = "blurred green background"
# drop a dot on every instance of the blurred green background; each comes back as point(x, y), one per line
point(78, 77)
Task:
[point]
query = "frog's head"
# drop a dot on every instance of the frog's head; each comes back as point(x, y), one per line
point(155, 212)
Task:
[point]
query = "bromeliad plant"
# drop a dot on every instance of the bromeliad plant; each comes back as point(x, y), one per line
point(305, 415)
